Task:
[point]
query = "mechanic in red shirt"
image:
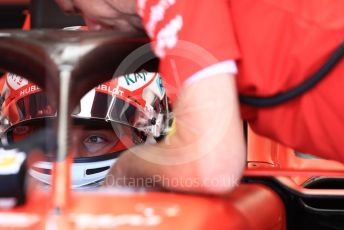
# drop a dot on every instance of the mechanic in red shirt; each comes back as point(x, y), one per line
point(209, 50)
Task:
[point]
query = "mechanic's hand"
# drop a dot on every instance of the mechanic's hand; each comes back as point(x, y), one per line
point(105, 14)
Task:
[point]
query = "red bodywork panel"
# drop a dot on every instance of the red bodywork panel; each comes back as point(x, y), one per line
point(267, 157)
point(250, 206)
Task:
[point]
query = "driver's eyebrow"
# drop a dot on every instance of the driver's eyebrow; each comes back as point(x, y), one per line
point(95, 127)
point(92, 125)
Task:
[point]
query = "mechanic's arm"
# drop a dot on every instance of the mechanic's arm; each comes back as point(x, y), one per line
point(207, 147)
point(205, 154)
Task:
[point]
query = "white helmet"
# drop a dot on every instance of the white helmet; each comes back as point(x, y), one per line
point(133, 105)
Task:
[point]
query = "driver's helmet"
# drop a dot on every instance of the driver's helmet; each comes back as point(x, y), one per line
point(112, 117)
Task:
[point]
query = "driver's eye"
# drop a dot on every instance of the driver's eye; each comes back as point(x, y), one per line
point(95, 139)
point(94, 143)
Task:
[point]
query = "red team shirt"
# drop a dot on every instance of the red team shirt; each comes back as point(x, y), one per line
point(270, 46)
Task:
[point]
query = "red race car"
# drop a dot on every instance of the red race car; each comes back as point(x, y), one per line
point(281, 189)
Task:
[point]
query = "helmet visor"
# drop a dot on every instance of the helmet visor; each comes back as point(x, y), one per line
point(94, 105)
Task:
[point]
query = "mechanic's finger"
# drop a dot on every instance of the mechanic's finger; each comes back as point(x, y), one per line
point(92, 25)
point(67, 6)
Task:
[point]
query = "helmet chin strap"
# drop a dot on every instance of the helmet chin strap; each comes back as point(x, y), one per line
point(85, 171)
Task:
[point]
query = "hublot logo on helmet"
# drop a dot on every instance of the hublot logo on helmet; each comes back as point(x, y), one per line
point(28, 90)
